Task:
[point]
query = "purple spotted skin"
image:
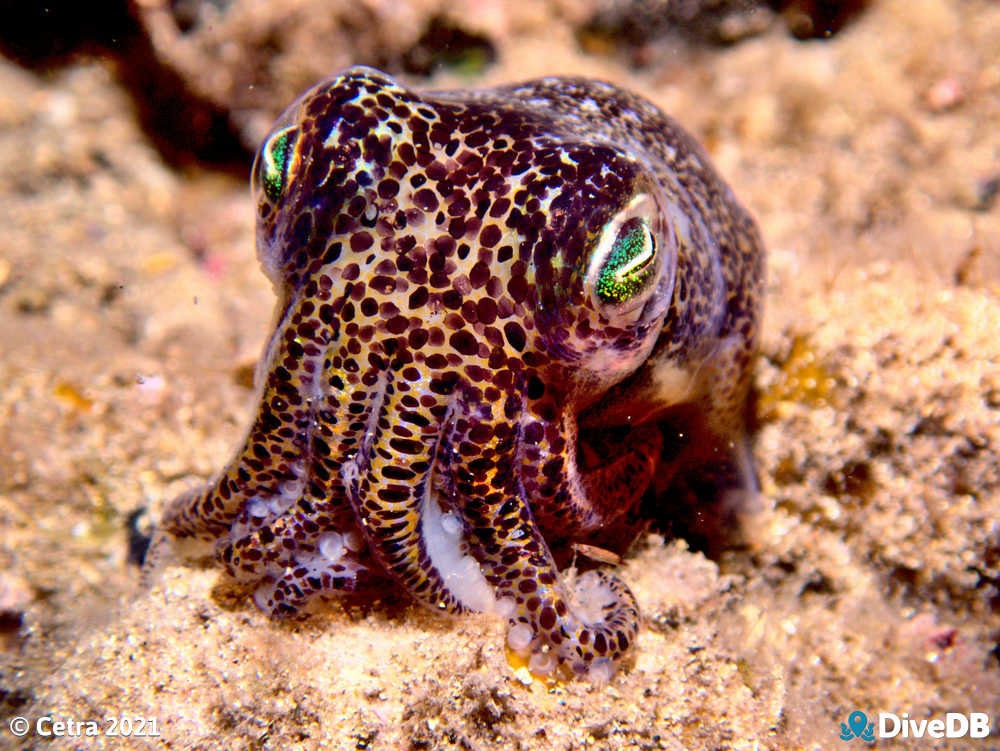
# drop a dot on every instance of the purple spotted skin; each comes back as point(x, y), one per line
point(468, 282)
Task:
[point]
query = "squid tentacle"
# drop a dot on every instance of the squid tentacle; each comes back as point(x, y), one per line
point(586, 637)
point(570, 501)
point(273, 463)
point(390, 484)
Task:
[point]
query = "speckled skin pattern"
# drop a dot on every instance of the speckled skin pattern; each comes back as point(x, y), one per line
point(441, 341)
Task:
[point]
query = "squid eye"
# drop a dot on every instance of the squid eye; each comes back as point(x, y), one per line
point(630, 266)
point(276, 156)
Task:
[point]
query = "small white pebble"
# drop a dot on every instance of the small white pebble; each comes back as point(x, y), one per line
point(542, 663)
point(257, 508)
point(601, 672)
point(291, 490)
point(451, 525)
point(262, 595)
point(331, 545)
point(519, 637)
point(945, 94)
point(153, 383)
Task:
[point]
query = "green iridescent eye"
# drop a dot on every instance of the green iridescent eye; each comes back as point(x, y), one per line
point(630, 265)
point(276, 156)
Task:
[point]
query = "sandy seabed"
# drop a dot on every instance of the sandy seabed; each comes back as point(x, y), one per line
point(132, 310)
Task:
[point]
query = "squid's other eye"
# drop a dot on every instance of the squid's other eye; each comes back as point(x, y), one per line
point(276, 157)
point(630, 267)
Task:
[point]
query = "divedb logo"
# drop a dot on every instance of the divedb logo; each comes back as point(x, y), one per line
point(954, 725)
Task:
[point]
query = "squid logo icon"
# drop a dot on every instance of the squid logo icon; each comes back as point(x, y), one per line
point(857, 726)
